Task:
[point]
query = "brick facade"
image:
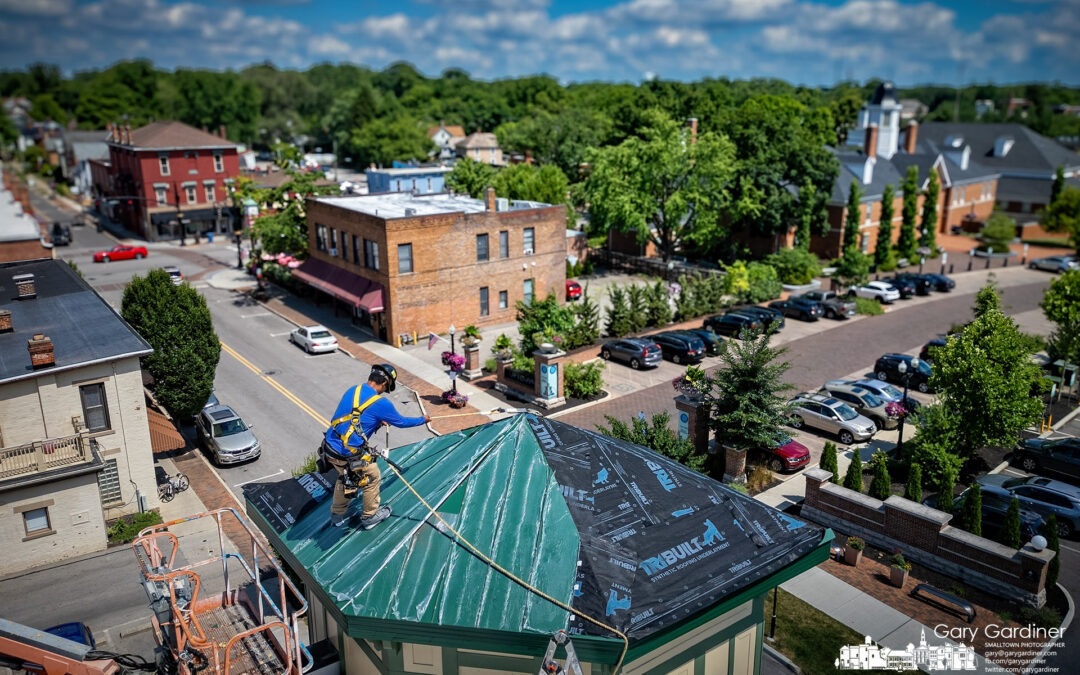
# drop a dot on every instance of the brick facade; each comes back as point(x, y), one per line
point(445, 283)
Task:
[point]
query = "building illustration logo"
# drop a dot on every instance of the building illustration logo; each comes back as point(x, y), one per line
point(871, 656)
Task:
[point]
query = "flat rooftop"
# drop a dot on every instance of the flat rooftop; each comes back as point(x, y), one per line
point(393, 204)
point(14, 224)
point(412, 170)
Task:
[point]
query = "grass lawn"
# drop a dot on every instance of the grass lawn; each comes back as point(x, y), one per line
point(810, 638)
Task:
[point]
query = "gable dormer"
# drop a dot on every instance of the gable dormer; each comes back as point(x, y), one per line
point(1002, 145)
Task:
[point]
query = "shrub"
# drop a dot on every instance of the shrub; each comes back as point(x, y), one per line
point(586, 328)
point(880, 485)
point(1046, 616)
point(658, 307)
point(971, 511)
point(639, 308)
point(738, 487)
point(523, 361)
point(853, 477)
point(618, 313)
point(759, 478)
point(764, 283)
point(1010, 529)
point(63, 190)
point(868, 307)
point(656, 435)
point(794, 265)
point(828, 461)
point(308, 466)
point(913, 489)
point(542, 316)
point(856, 543)
point(900, 562)
point(584, 380)
point(736, 279)
point(491, 365)
point(997, 233)
point(127, 528)
point(946, 485)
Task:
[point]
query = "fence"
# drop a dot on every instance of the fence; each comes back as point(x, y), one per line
point(44, 455)
point(648, 266)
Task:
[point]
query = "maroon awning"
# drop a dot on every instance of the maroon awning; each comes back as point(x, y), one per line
point(342, 284)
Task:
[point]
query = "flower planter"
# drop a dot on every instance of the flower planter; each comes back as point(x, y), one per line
point(852, 556)
point(469, 341)
point(547, 348)
point(898, 576)
point(457, 403)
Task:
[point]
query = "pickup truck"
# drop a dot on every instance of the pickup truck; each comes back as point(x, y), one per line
point(836, 307)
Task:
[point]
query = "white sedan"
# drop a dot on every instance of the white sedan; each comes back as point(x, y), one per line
point(314, 339)
point(878, 290)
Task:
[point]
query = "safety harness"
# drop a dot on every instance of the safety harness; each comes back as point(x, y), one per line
point(352, 478)
point(357, 410)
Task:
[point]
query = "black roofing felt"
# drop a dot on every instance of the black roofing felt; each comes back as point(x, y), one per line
point(82, 326)
point(1030, 150)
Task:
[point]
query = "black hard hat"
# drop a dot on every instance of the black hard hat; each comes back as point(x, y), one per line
point(389, 371)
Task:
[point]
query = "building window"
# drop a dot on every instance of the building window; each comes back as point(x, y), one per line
point(504, 244)
point(163, 162)
point(210, 193)
point(528, 292)
point(356, 249)
point(345, 246)
point(333, 241)
point(320, 237)
point(414, 185)
point(429, 185)
point(481, 247)
point(371, 254)
point(109, 484)
point(36, 521)
point(95, 407)
point(189, 192)
point(404, 259)
point(504, 299)
point(219, 162)
point(528, 240)
point(161, 194)
point(399, 185)
point(484, 309)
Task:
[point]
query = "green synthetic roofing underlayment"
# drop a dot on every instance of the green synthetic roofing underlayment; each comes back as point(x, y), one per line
point(617, 531)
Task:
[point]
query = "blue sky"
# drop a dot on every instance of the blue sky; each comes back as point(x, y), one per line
point(803, 41)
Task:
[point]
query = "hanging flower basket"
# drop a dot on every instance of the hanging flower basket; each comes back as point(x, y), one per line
point(455, 399)
point(456, 362)
point(895, 410)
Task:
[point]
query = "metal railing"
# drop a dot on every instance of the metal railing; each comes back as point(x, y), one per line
point(44, 455)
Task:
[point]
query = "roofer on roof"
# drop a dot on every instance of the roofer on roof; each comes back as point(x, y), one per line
point(360, 413)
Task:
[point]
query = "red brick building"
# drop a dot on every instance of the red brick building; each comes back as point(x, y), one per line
point(418, 263)
point(165, 167)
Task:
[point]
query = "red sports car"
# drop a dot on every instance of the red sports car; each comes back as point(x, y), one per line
point(573, 290)
point(120, 253)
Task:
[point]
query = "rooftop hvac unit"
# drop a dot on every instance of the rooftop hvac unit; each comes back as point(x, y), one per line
point(410, 212)
point(502, 204)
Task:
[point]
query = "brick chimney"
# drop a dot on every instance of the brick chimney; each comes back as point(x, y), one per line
point(691, 123)
point(127, 133)
point(6, 326)
point(112, 133)
point(911, 135)
point(870, 147)
point(221, 132)
point(24, 284)
point(489, 198)
point(41, 351)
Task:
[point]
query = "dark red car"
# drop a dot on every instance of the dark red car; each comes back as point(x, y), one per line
point(120, 253)
point(788, 455)
point(573, 290)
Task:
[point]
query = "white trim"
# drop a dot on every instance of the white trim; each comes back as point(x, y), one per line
point(58, 369)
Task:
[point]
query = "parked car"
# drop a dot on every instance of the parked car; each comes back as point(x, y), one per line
point(865, 402)
point(887, 369)
point(883, 390)
point(1060, 456)
point(994, 509)
point(637, 352)
point(212, 401)
point(836, 307)
point(314, 339)
point(225, 435)
point(799, 308)
point(1055, 263)
point(922, 285)
point(120, 253)
point(573, 290)
point(174, 272)
point(1044, 496)
point(941, 282)
point(680, 347)
point(771, 319)
point(831, 415)
point(927, 351)
point(786, 455)
point(905, 286)
point(60, 234)
point(882, 291)
point(712, 341)
point(731, 324)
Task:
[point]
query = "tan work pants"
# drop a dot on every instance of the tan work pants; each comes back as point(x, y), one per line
point(370, 492)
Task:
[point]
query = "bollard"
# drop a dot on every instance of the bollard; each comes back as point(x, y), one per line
point(399, 342)
point(1006, 263)
point(970, 263)
point(414, 337)
point(950, 268)
point(988, 263)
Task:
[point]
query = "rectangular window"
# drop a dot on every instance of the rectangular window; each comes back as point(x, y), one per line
point(484, 309)
point(333, 241)
point(210, 194)
point(109, 484)
point(356, 249)
point(404, 259)
point(161, 194)
point(219, 162)
point(528, 292)
point(345, 246)
point(371, 254)
point(504, 244)
point(190, 194)
point(163, 162)
point(528, 240)
point(95, 407)
point(504, 300)
point(481, 247)
point(320, 237)
point(429, 185)
point(36, 520)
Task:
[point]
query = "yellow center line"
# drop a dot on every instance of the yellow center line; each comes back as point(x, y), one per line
point(276, 385)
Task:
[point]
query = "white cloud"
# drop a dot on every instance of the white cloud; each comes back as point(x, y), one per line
point(697, 11)
point(36, 7)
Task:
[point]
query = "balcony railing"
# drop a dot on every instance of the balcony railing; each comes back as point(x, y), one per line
point(45, 455)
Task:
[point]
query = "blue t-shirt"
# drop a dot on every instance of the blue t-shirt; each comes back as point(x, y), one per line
point(375, 414)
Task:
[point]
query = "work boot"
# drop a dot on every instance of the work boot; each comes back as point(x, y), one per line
point(342, 519)
point(382, 514)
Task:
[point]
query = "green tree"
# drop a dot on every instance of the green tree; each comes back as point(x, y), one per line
point(906, 244)
point(794, 265)
point(546, 184)
point(285, 229)
point(586, 328)
point(177, 324)
point(971, 511)
point(853, 477)
point(934, 445)
point(471, 177)
point(809, 211)
point(1058, 185)
point(985, 377)
point(1010, 529)
point(1063, 215)
point(45, 108)
point(930, 214)
point(1061, 305)
point(385, 139)
point(1053, 543)
point(746, 409)
point(883, 247)
point(658, 305)
point(987, 298)
point(542, 316)
point(619, 322)
point(852, 216)
point(828, 461)
point(946, 486)
point(764, 283)
point(913, 488)
point(661, 186)
point(881, 483)
point(853, 268)
point(998, 231)
point(639, 310)
point(656, 434)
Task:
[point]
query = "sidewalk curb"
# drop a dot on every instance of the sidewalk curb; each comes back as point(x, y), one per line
point(780, 658)
point(1064, 627)
point(1065, 420)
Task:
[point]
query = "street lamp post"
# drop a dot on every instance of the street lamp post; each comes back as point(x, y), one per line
point(452, 339)
point(906, 373)
point(239, 257)
point(180, 215)
point(453, 352)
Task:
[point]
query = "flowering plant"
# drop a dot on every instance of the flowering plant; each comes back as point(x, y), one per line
point(454, 398)
point(895, 410)
point(446, 358)
point(899, 562)
point(856, 543)
point(694, 382)
point(456, 362)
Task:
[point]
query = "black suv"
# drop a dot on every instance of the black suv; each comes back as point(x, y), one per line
point(680, 347)
point(941, 282)
point(927, 351)
point(731, 324)
point(1060, 456)
point(904, 285)
point(887, 368)
point(771, 319)
point(920, 282)
point(61, 234)
point(712, 341)
point(800, 308)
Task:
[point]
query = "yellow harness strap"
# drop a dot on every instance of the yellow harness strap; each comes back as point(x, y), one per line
point(357, 410)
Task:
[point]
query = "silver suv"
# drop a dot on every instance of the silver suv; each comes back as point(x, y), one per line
point(226, 436)
point(829, 414)
point(864, 401)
